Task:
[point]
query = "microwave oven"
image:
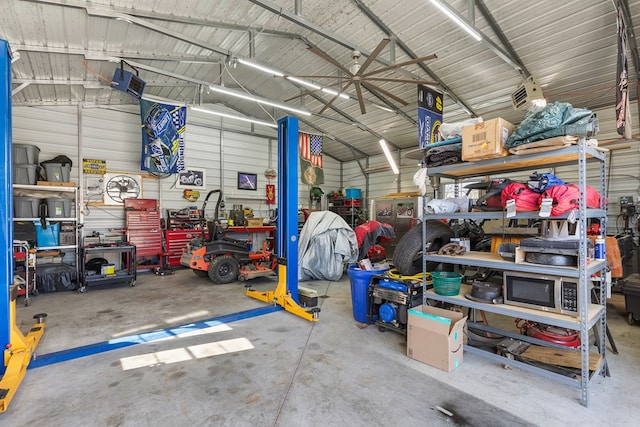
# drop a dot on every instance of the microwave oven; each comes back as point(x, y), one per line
point(550, 293)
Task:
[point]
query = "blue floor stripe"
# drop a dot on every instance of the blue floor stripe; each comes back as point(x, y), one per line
point(128, 341)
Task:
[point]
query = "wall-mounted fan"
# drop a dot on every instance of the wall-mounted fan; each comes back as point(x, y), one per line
point(357, 76)
point(118, 187)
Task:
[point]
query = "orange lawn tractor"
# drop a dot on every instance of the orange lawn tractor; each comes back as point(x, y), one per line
point(221, 258)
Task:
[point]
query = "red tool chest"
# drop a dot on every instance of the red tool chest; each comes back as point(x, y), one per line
point(142, 220)
point(176, 241)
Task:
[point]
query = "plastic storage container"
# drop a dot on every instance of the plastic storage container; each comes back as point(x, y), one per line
point(353, 193)
point(360, 290)
point(26, 207)
point(58, 208)
point(57, 172)
point(25, 154)
point(25, 174)
point(49, 236)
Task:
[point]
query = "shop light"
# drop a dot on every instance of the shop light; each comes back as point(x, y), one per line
point(455, 17)
point(389, 157)
point(234, 117)
point(334, 93)
point(248, 97)
point(260, 67)
point(304, 83)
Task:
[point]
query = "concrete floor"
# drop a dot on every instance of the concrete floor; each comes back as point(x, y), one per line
point(280, 370)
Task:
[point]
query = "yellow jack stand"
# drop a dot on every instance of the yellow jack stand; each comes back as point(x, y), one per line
point(282, 298)
point(18, 353)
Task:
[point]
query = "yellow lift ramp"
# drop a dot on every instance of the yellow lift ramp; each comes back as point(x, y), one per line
point(19, 352)
point(286, 292)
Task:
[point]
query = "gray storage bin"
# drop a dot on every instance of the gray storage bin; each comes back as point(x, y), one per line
point(25, 174)
point(25, 154)
point(58, 208)
point(57, 172)
point(26, 207)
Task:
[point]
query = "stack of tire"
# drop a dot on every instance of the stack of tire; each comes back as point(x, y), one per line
point(407, 256)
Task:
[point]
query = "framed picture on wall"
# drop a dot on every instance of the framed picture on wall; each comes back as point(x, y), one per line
point(247, 181)
point(192, 178)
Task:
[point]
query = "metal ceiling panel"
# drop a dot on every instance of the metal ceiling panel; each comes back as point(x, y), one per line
point(569, 47)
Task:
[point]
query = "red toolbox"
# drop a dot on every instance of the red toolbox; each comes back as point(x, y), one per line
point(176, 241)
point(142, 219)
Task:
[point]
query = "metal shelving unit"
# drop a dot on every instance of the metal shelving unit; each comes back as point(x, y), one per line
point(591, 315)
point(75, 218)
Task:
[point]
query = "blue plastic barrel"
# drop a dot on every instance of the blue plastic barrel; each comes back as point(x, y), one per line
point(359, 290)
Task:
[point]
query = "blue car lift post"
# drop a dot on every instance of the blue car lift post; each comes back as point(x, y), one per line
point(18, 349)
point(286, 292)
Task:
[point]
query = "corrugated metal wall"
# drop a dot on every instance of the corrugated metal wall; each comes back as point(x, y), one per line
point(225, 148)
point(112, 134)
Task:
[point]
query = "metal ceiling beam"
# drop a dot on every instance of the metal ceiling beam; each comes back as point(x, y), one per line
point(130, 55)
point(361, 126)
point(82, 4)
point(484, 10)
point(505, 56)
point(382, 26)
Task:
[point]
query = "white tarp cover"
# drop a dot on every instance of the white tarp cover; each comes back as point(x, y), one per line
point(326, 243)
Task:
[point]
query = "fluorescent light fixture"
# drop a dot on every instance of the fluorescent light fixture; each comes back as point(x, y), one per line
point(248, 97)
point(455, 17)
point(260, 67)
point(234, 117)
point(304, 83)
point(389, 157)
point(383, 108)
point(334, 93)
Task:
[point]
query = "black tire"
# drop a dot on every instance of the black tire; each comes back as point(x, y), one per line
point(200, 273)
point(224, 269)
point(407, 256)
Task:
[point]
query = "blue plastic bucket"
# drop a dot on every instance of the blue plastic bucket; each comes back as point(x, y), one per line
point(359, 290)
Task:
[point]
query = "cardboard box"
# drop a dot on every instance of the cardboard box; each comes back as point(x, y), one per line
point(435, 337)
point(485, 140)
point(254, 222)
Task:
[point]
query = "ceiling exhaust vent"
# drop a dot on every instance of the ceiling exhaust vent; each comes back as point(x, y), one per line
point(525, 94)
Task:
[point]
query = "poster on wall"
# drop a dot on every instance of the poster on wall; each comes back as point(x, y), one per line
point(430, 105)
point(311, 163)
point(163, 128)
point(194, 178)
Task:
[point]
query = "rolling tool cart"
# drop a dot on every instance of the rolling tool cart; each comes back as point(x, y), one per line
point(104, 273)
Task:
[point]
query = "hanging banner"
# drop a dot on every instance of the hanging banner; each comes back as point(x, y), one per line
point(311, 163)
point(430, 104)
point(271, 194)
point(622, 98)
point(163, 128)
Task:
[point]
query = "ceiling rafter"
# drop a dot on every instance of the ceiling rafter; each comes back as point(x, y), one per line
point(111, 14)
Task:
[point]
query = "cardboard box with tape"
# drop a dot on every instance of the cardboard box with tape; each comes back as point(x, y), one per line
point(485, 140)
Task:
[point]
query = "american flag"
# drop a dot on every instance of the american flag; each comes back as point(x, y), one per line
point(311, 148)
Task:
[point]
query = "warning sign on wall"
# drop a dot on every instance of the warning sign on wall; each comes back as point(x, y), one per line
point(93, 166)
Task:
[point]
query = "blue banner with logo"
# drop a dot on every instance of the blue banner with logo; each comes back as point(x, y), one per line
point(163, 128)
point(430, 104)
